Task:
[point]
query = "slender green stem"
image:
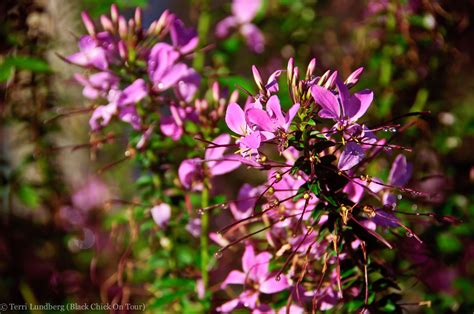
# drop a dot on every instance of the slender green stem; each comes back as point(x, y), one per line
point(204, 237)
point(204, 23)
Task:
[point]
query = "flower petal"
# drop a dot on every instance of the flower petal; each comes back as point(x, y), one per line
point(351, 156)
point(161, 214)
point(235, 277)
point(245, 10)
point(328, 102)
point(271, 285)
point(235, 119)
point(400, 172)
point(261, 119)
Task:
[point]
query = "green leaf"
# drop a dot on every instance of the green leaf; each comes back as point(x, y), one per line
point(28, 196)
point(28, 63)
point(448, 243)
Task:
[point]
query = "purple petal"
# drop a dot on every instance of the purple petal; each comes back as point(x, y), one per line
point(235, 277)
point(274, 109)
point(385, 219)
point(185, 39)
point(245, 10)
point(217, 152)
point(134, 93)
point(328, 102)
point(169, 127)
point(243, 206)
point(354, 190)
point(228, 164)
point(251, 141)
point(194, 227)
point(249, 298)
point(259, 270)
point(224, 27)
point(188, 85)
point(172, 76)
point(228, 306)
point(351, 156)
point(235, 119)
point(253, 37)
point(261, 119)
point(401, 171)
point(129, 114)
point(102, 116)
point(161, 214)
point(271, 285)
point(294, 309)
point(248, 259)
point(361, 102)
point(190, 173)
point(291, 115)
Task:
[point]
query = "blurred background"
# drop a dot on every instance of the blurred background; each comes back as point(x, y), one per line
point(62, 240)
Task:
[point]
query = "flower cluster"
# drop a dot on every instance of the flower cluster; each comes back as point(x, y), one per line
point(243, 12)
point(318, 206)
point(318, 213)
point(131, 68)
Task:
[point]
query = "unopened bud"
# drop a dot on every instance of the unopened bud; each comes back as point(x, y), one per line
point(138, 18)
point(234, 97)
point(114, 13)
point(215, 91)
point(353, 78)
point(131, 25)
point(310, 69)
point(289, 69)
point(324, 78)
point(122, 27)
point(258, 78)
point(123, 51)
point(86, 19)
point(295, 78)
point(164, 21)
point(330, 82)
point(107, 24)
point(151, 28)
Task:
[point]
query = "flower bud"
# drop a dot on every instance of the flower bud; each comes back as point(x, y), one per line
point(107, 24)
point(151, 28)
point(131, 25)
point(123, 51)
point(164, 21)
point(295, 78)
point(86, 19)
point(122, 27)
point(324, 78)
point(138, 18)
point(353, 78)
point(215, 91)
point(258, 78)
point(114, 13)
point(234, 96)
point(330, 82)
point(310, 69)
point(289, 69)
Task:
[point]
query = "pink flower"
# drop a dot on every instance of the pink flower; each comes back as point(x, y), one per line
point(91, 54)
point(121, 103)
point(255, 277)
point(191, 172)
point(342, 107)
point(161, 214)
point(243, 12)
